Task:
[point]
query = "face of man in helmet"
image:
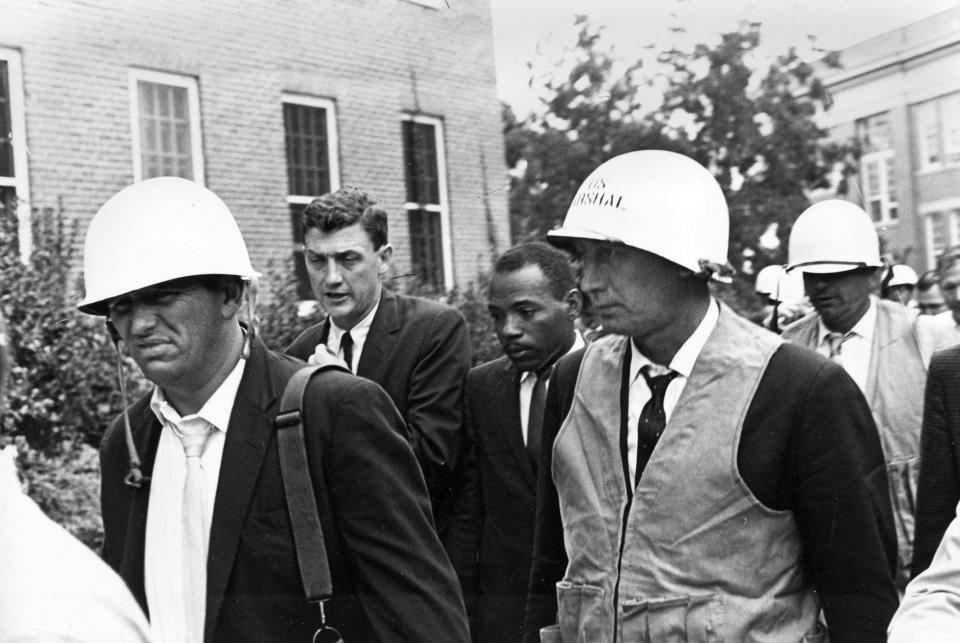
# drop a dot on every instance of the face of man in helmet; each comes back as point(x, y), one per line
point(533, 326)
point(950, 288)
point(841, 298)
point(632, 292)
point(181, 334)
point(345, 271)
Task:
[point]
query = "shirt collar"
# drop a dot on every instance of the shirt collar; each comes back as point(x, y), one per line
point(863, 328)
point(216, 410)
point(578, 343)
point(689, 351)
point(359, 331)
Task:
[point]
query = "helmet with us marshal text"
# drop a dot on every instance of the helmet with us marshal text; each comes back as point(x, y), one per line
point(661, 202)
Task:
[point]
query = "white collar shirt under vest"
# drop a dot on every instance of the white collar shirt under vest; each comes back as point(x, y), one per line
point(682, 363)
point(163, 552)
point(358, 334)
point(857, 344)
point(527, 381)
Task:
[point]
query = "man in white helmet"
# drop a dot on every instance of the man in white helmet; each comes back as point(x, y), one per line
point(194, 508)
point(880, 344)
point(700, 479)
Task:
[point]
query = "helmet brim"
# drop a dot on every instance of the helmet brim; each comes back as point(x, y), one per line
point(826, 268)
point(565, 237)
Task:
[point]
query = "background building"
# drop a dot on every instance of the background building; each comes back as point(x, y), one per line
point(268, 103)
point(898, 95)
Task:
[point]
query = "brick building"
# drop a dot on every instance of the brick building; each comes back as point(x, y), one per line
point(268, 103)
point(898, 95)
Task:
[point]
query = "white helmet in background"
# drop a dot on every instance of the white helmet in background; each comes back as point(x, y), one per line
point(902, 275)
point(157, 230)
point(833, 236)
point(778, 284)
point(662, 202)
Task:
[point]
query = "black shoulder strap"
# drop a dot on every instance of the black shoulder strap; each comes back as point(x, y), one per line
point(298, 486)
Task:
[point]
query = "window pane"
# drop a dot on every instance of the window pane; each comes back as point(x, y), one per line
point(420, 155)
point(951, 128)
point(165, 137)
point(6, 127)
point(876, 210)
point(426, 249)
point(873, 133)
point(308, 152)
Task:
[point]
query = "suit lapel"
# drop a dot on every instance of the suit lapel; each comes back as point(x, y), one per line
point(508, 415)
point(248, 435)
point(381, 339)
point(132, 566)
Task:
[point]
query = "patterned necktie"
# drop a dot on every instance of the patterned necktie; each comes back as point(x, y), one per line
point(346, 348)
point(653, 418)
point(835, 343)
point(538, 401)
point(194, 436)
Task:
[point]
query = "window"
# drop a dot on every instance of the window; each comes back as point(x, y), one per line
point(938, 132)
point(873, 132)
point(941, 221)
point(165, 112)
point(426, 206)
point(14, 187)
point(310, 131)
point(879, 186)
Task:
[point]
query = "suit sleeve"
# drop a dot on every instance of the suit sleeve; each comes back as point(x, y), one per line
point(434, 400)
point(463, 534)
point(402, 575)
point(842, 507)
point(549, 562)
point(938, 490)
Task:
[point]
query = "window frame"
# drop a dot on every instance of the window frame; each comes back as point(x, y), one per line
point(193, 110)
point(443, 208)
point(20, 181)
point(882, 159)
point(333, 165)
point(949, 208)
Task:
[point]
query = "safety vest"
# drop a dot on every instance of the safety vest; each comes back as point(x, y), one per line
point(693, 556)
point(896, 378)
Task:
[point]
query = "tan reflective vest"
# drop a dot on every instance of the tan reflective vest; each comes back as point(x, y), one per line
point(896, 378)
point(694, 556)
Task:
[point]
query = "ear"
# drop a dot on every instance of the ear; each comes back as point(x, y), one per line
point(574, 301)
point(386, 256)
point(233, 294)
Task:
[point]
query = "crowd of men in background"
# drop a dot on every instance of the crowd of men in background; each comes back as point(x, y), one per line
point(641, 464)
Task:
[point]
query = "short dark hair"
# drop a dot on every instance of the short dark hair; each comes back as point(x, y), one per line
point(552, 262)
point(343, 208)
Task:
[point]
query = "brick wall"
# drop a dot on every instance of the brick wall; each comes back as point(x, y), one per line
point(377, 59)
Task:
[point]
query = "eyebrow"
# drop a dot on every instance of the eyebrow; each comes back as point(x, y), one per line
point(336, 255)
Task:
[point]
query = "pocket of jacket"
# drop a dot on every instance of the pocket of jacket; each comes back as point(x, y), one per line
point(580, 612)
point(696, 618)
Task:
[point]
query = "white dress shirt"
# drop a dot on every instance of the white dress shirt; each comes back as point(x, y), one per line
point(358, 334)
point(527, 381)
point(682, 363)
point(163, 551)
point(855, 351)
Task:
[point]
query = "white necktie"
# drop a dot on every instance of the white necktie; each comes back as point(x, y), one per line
point(194, 437)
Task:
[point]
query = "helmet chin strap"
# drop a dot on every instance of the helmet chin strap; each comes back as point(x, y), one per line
point(253, 322)
point(134, 477)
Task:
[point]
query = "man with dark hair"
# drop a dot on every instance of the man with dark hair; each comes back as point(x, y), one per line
point(197, 515)
point(929, 299)
point(533, 303)
point(417, 350)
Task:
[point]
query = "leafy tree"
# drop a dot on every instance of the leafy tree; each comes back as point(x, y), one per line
point(754, 128)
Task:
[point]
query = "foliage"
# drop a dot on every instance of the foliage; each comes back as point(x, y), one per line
point(279, 308)
point(753, 128)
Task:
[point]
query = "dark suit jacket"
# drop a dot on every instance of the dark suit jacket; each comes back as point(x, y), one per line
point(508, 480)
point(390, 576)
point(419, 352)
point(938, 491)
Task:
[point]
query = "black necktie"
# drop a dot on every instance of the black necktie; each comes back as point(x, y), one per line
point(653, 419)
point(538, 401)
point(346, 347)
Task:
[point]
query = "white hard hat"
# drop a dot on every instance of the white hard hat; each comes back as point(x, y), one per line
point(157, 230)
point(775, 282)
point(902, 275)
point(833, 236)
point(657, 201)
